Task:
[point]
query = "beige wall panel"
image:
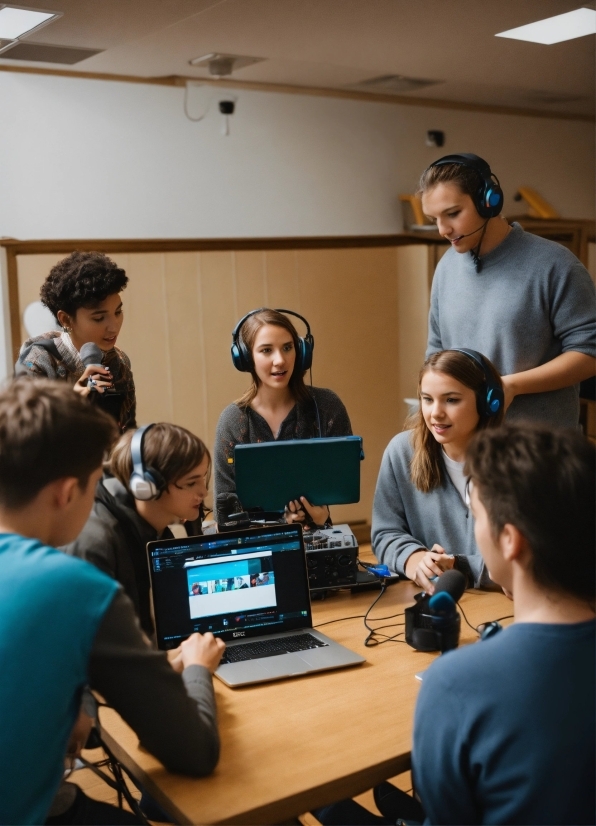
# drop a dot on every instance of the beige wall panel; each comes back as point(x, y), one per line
point(145, 338)
point(32, 272)
point(185, 337)
point(414, 297)
point(251, 287)
point(224, 383)
point(283, 287)
point(350, 298)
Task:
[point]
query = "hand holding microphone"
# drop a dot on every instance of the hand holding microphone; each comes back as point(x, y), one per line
point(96, 377)
point(424, 567)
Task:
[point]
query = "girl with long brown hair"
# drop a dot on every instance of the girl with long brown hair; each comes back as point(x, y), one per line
point(421, 518)
point(276, 405)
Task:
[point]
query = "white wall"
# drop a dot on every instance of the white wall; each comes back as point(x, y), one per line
point(94, 159)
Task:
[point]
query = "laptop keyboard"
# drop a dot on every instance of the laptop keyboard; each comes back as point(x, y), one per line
point(271, 648)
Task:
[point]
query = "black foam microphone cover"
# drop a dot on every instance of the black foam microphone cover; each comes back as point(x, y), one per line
point(453, 582)
point(91, 354)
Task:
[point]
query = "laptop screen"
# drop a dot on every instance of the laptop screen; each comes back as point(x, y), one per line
point(240, 584)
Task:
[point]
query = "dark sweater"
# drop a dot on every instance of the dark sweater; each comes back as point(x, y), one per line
point(243, 425)
point(504, 729)
point(114, 539)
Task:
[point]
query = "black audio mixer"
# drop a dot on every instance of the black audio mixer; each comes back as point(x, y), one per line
point(331, 558)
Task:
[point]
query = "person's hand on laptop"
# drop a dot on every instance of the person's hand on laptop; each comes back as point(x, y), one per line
point(199, 649)
point(300, 510)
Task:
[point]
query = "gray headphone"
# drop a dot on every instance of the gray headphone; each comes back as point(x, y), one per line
point(145, 483)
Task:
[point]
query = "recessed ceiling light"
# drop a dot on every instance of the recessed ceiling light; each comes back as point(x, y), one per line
point(556, 29)
point(15, 21)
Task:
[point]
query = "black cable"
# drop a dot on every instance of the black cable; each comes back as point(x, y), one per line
point(339, 619)
point(475, 628)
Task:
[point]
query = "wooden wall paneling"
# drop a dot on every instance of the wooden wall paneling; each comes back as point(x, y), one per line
point(251, 286)
point(350, 299)
point(283, 284)
point(145, 337)
point(224, 383)
point(414, 299)
point(185, 340)
point(32, 272)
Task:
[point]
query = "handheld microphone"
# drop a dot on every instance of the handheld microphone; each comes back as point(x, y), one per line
point(433, 623)
point(91, 355)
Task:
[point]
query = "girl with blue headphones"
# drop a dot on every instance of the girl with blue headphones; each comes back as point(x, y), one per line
point(524, 301)
point(277, 405)
point(421, 523)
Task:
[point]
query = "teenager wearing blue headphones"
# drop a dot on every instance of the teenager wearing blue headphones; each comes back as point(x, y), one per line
point(277, 405)
point(524, 301)
point(158, 477)
point(421, 523)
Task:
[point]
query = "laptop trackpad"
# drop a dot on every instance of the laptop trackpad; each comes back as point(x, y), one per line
point(285, 665)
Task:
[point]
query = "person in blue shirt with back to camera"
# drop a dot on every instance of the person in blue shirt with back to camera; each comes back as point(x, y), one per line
point(504, 730)
point(526, 302)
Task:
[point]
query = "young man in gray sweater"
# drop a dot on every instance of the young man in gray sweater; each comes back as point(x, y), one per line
point(524, 301)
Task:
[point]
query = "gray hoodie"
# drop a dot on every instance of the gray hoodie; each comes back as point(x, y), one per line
point(406, 520)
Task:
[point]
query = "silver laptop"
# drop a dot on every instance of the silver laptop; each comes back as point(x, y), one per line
point(251, 589)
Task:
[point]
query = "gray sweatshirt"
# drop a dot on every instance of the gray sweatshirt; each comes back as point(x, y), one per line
point(532, 301)
point(406, 520)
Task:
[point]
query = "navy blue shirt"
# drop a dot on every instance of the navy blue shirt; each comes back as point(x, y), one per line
point(504, 729)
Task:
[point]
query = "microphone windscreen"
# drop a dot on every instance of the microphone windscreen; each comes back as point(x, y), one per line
point(453, 582)
point(442, 603)
point(91, 354)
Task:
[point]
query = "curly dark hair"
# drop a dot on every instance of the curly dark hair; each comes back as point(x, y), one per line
point(82, 279)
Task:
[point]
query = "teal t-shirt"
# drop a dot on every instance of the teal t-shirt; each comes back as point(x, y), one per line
point(51, 606)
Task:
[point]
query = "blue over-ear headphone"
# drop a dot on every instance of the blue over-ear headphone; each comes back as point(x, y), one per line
point(492, 401)
point(242, 357)
point(145, 482)
point(489, 196)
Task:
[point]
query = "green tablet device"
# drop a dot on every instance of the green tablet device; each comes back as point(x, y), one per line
point(325, 471)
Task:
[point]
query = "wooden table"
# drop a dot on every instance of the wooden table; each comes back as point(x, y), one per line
point(292, 745)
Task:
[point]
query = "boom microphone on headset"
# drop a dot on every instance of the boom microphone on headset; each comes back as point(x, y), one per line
point(433, 623)
point(475, 231)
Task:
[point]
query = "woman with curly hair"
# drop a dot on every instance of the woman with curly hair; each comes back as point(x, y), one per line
point(83, 293)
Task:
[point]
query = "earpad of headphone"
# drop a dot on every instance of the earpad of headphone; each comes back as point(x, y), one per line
point(157, 479)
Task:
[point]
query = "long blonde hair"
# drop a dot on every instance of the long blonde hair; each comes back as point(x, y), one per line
point(427, 467)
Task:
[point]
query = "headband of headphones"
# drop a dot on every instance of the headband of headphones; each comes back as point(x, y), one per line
point(145, 483)
point(489, 196)
point(493, 398)
point(242, 357)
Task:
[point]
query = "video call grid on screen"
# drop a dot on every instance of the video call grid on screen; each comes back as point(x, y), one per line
point(228, 583)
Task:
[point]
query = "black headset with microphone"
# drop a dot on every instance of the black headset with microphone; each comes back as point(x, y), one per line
point(488, 198)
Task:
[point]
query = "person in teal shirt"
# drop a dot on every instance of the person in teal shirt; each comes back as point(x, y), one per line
point(65, 625)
